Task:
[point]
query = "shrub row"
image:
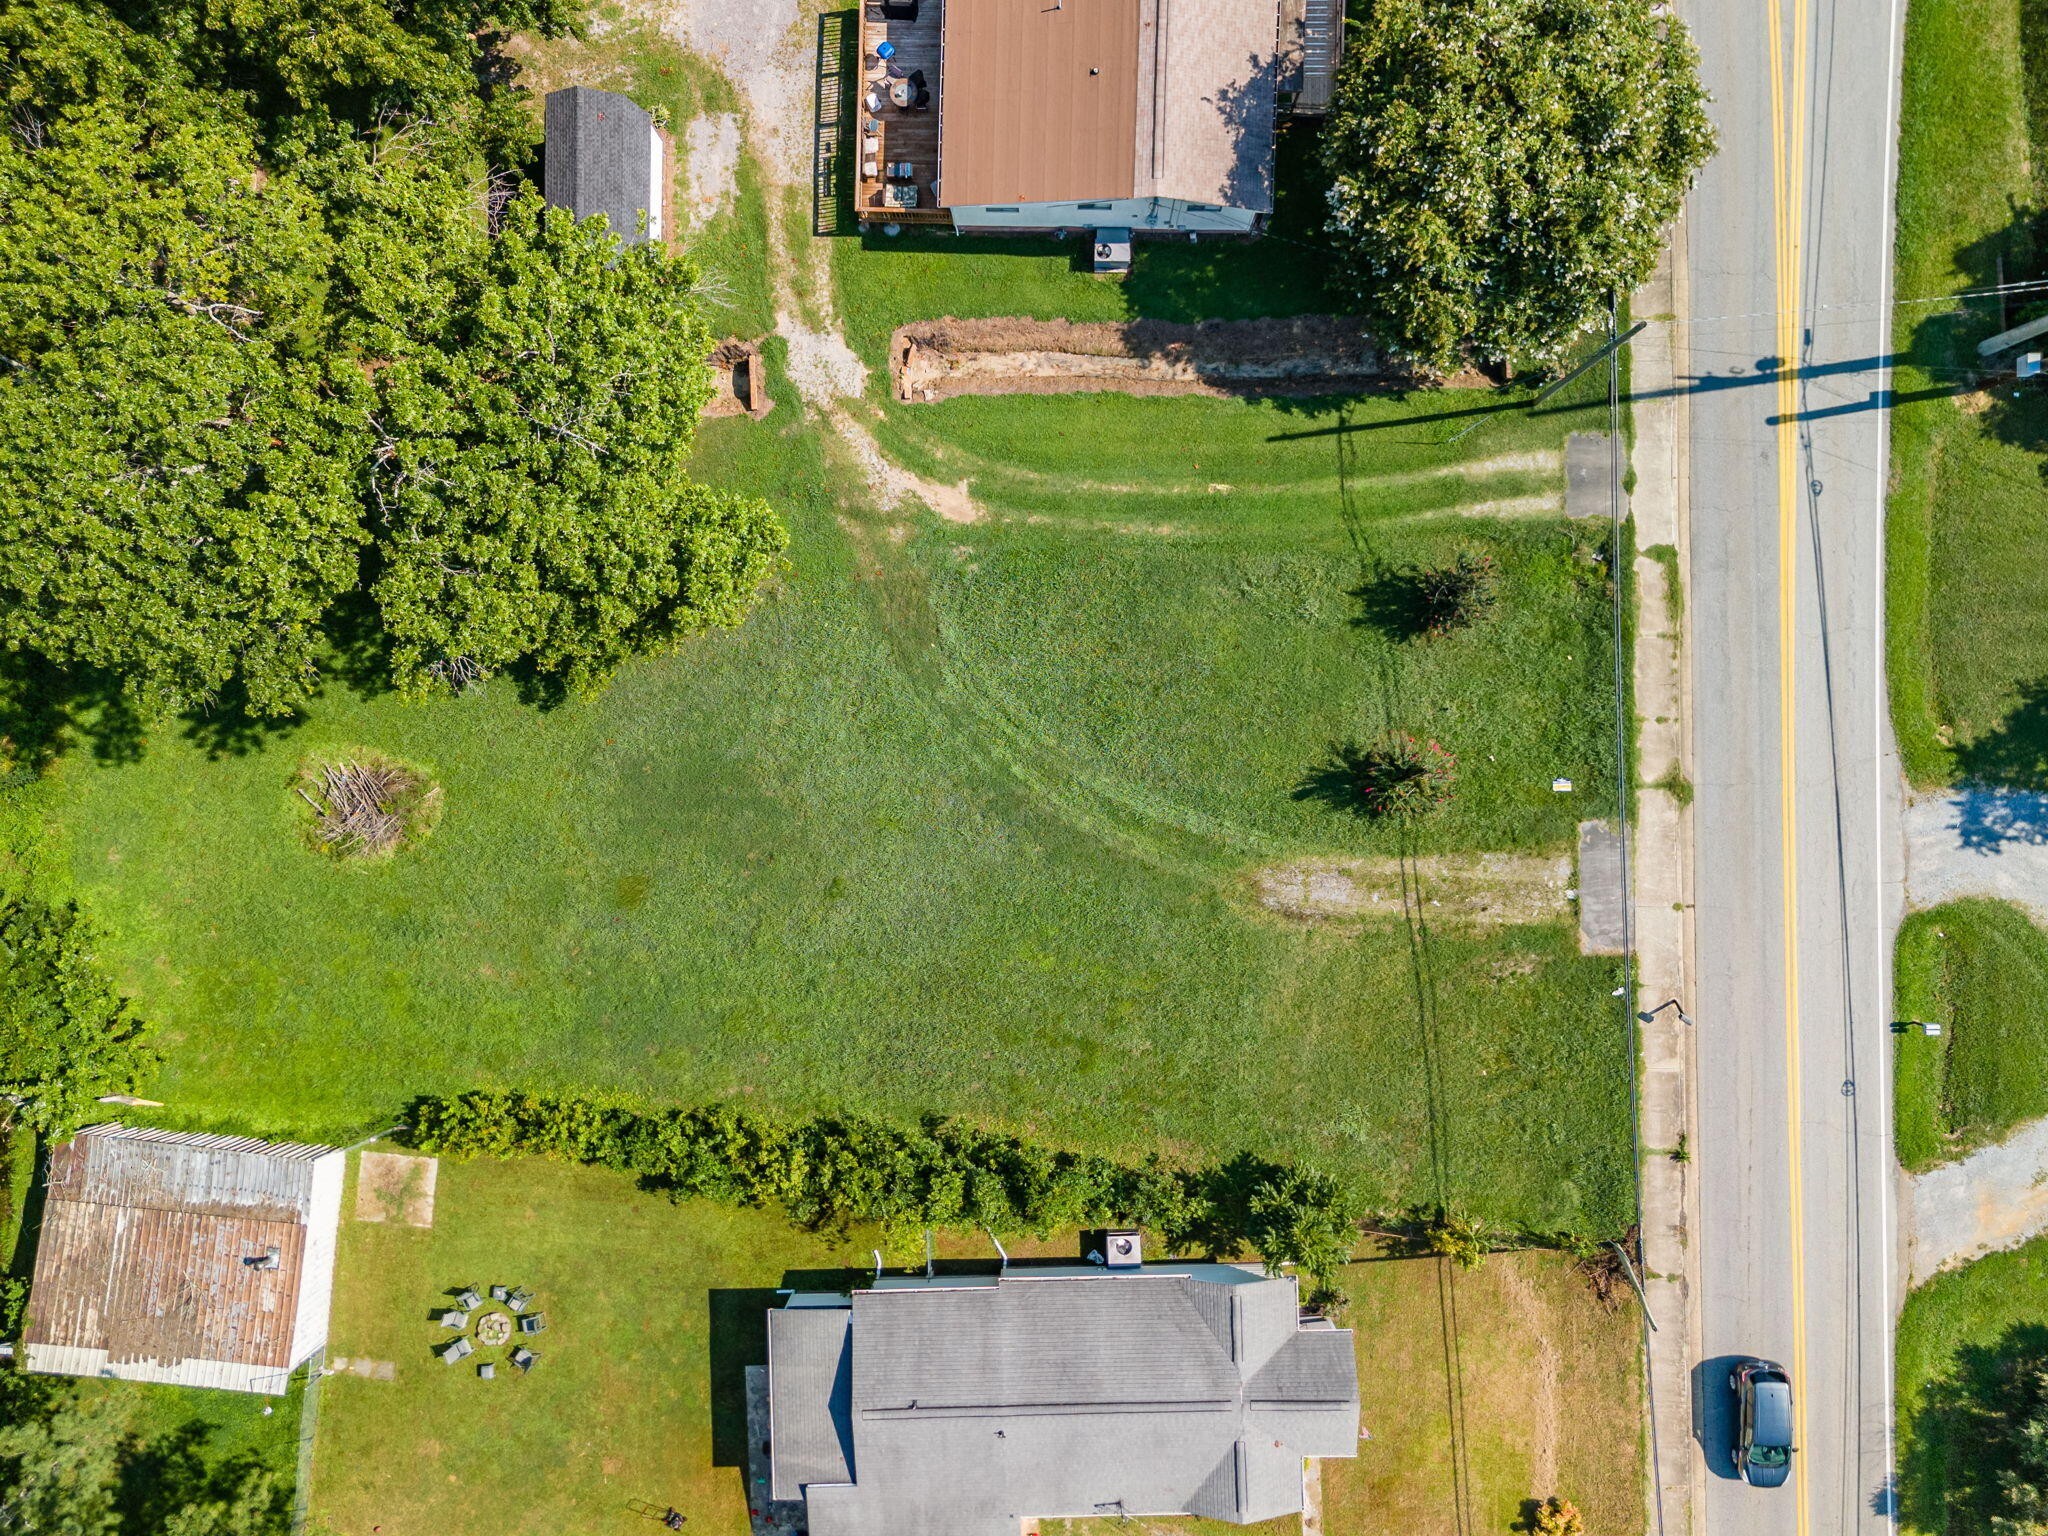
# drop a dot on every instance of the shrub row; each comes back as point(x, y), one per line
point(834, 1170)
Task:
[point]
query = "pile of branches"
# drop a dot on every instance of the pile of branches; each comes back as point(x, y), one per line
point(360, 809)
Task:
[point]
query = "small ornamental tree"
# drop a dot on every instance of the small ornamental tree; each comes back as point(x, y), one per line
point(1400, 778)
point(1557, 1517)
point(1458, 595)
point(1499, 167)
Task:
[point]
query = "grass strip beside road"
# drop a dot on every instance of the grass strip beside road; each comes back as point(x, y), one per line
point(1980, 969)
point(1966, 570)
point(1970, 1343)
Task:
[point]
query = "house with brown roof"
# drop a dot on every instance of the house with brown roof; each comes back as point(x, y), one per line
point(1154, 116)
point(204, 1261)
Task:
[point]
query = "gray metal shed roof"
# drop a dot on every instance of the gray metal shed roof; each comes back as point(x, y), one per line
point(596, 159)
point(1154, 1393)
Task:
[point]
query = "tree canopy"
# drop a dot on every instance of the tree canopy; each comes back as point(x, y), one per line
point(66, 1036)
point(280, 322)
point(1500, 167)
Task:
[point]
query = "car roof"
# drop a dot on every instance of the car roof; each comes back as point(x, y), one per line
point(1771, 1419)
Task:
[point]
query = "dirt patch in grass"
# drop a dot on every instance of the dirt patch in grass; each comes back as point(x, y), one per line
point(391, 1187)
point(1488, 890)
point(1289, 355)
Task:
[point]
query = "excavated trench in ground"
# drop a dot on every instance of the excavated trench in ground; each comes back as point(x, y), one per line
point(1289, 355)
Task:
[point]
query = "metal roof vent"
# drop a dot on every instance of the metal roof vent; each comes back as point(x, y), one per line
point(1122, 1250)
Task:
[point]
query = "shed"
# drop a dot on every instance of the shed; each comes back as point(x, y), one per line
point(604, 155)
point(203, 1261)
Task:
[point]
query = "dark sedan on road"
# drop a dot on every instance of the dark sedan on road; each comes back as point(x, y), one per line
point(1763, 1434)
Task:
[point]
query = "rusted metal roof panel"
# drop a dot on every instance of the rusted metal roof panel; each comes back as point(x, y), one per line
point(176, 1253)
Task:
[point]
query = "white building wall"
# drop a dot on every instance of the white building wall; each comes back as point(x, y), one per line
point(316, 1272)
point(1138, 214)
point(69, 1360)
point(656, 185)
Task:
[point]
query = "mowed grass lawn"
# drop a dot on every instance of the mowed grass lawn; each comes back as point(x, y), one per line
point(965, 819)
point(934, 832)
point(654, 1310)
point(1964, 1339)
point(1967, 569)
point(1980, 969)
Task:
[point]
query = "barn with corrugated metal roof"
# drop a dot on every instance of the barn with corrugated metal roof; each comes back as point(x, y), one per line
point(205, 1261)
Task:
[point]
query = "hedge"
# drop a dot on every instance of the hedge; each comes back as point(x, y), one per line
point(834, 1170)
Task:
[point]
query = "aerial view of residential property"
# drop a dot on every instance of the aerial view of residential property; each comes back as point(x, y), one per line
point(1023, 767)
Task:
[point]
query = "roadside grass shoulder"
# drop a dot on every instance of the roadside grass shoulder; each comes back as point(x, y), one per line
point(1980, 968)
point(1967, 577)
point(1965, 1340)
point(1466, 1431)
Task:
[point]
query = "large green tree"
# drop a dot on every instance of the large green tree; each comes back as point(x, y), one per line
point(1500, 167)
point(531, 498)
point(175, 458)
point(66, 1036)
point(257, 353)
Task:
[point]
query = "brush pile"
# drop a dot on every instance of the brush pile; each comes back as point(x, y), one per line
point(363, 809)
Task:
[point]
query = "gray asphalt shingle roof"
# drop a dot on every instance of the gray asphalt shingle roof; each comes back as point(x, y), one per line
point(974, 1403)
point(599, 159)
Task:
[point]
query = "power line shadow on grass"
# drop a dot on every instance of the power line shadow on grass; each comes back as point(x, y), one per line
point(1336, 783)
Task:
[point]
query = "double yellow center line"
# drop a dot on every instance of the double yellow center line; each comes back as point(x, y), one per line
point(1788, 184)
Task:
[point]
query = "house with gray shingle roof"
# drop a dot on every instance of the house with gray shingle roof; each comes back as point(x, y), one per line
point(959, 1406)
point(604, 155)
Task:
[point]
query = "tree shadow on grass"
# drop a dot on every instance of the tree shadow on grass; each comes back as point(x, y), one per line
point(1335, 782)
point(47, 711)
point(2014, 752)
point(1967, 1430)
point(1394, 603)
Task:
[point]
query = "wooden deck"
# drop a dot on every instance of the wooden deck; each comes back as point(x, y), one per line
point(899, 135)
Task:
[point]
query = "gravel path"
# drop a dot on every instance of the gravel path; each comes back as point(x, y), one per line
point(1978, 842)
point(1995, 1198)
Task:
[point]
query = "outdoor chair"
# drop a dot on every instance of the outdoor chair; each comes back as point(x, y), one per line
point(537, 1323)
point(487, 1372)
point(518, 1299)
point(469, 1301)
point(500, 1292)
point(457, 1320)
point(899, 10)
point(460, 1350)
point(525, 1359)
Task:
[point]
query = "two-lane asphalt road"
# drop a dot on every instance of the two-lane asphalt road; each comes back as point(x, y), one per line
point(1784, 346)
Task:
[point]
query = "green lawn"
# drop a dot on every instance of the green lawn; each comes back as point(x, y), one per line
point(1979, 968)
point(855, 855)
point(1484, 1390)
point(883, 281)
point(1968, 573)
point(654, 1311)
point(1968, 1341)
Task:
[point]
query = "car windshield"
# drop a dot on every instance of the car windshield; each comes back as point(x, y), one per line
point(1768, 1456)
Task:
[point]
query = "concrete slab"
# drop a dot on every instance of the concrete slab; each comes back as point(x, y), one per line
point(1588, 472)
point(1603, 909)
